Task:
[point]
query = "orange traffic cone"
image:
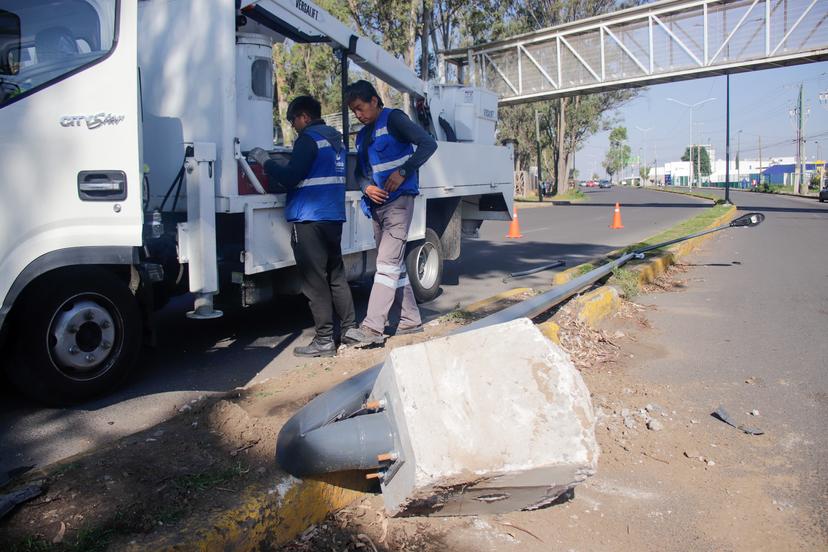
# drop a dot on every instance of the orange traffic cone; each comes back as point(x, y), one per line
point(514, 227)
point(616, 217)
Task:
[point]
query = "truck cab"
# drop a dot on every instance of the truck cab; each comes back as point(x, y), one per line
point(125, 181)
point(70, 177)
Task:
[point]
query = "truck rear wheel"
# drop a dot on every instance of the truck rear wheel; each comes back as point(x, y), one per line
point(78, 334)
point(424, 264)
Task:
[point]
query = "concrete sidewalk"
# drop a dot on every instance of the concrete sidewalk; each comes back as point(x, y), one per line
point(756, 309)
point(737, 324)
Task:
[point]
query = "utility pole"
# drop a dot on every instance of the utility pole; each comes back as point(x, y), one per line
point(803, 186)
point(738, 155)
point(645, 131)
point(538, 143)
point(655, 164)
point(799, 113)
point(760, 160)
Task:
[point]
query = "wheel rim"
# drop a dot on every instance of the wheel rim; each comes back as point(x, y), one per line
point(85, 337)
point(428, 264)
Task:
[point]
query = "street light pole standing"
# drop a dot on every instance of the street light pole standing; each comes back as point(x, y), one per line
point(692, 108)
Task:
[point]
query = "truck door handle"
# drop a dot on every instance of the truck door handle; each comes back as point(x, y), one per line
point(102, 185)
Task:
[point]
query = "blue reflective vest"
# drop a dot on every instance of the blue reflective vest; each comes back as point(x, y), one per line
point(386, 154)
point(320, 196)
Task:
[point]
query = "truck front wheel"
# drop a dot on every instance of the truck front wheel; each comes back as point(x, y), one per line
point(424, 264)
point(78, 334)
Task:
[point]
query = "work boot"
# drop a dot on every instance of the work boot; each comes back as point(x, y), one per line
point(409, 330)
point(319, 347)
point(363, 337)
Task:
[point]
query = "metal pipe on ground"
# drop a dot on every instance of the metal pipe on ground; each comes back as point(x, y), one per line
point(521, 274)
point(323, 436)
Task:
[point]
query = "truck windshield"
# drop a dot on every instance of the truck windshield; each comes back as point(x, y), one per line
point(44, 40)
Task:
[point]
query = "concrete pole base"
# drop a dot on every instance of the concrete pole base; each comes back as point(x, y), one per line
point(489, 421)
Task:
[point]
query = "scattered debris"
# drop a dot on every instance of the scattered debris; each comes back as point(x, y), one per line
point(723, 415)
point(58, 538)
point(528, 532)
point(655, 425)
point(754, 412)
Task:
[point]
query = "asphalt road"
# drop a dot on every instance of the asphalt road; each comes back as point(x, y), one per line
point(756, 310)
point(195, 358)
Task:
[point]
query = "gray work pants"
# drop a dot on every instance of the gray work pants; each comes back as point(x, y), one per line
point(392, 289)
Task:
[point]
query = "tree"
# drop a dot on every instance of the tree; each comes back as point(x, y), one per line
point(568, 122)
point(618, 156)
point(701, 160)
point(644, 173)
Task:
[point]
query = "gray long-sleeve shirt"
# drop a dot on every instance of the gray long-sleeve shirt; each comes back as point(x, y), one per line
point(404, 130)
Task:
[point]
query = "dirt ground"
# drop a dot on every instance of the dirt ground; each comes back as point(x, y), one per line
point(125, 493)
point(670, 477)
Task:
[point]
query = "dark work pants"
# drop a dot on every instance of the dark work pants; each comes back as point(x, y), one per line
point(318, 253)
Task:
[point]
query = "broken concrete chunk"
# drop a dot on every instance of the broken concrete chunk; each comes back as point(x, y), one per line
point(655, 425)
point(488, 421)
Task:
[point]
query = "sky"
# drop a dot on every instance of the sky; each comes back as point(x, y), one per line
point(760, 105)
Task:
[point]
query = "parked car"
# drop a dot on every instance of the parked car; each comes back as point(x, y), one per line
point(823, 194)
point(604, 184)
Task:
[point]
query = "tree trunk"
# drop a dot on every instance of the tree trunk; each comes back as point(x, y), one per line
point(281, 93)
point(425, 34)
point(410, 54)
point(561, 176)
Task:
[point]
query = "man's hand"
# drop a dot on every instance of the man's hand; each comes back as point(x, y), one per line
point(394, 181)
point(376, 194)
point(259, 155)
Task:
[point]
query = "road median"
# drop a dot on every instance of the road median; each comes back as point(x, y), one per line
point(207, 479)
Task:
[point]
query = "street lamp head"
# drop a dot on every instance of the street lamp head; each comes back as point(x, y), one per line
point(691, 106)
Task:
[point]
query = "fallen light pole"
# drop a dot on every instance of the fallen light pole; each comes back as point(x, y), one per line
point(490, 419)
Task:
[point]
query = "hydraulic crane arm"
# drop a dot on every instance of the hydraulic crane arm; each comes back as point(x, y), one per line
point(304, 21)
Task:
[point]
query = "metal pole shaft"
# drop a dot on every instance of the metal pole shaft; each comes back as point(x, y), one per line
point(727, 141)
point(345, 114)
point(538, 143)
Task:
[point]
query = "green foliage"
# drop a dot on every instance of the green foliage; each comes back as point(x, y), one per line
point(584, 268)
point(205, 480)
point(618, 155)
point(644, 172)
point(626, 280)
point(701, 159)
point(458, 316)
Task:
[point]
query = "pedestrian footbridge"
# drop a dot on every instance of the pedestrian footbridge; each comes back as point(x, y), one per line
point(660, 42)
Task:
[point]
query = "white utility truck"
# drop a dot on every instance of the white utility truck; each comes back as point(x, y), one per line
point(124, 180)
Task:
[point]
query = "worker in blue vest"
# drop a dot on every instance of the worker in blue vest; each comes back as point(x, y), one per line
point(390, 150)
point(315, 206)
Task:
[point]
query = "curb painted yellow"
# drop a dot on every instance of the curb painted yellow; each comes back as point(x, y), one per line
point(484, 303)
point(551, 330)
point(597, 304)
point(267, 517)
point(264, 517)
point(600, 303)
point(561, 278)
point(656, 266)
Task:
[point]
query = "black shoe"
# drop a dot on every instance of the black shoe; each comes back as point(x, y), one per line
point(363, 337)
point(316, 348)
